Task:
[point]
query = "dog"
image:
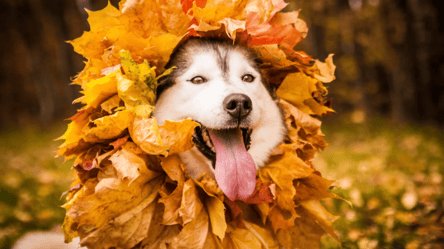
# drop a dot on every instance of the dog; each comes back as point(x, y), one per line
point(220, 85)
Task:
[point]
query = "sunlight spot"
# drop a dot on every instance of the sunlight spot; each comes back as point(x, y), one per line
point(409, 200)
point(355, 4)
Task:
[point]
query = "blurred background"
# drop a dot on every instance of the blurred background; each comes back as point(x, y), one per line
point(386, 139)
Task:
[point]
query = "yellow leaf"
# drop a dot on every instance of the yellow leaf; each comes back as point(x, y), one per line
point(74, 134)
point(109, 127)
point(264, 235)
point(68, 221)
point(282, 170)
point(273, 55)
point(93, 70)
point(127, 229)
point(298, 89)
point(112, 198)
point(143, 111)
point(313, 187)
point(91, 45)
point(110, 104)
point(131, 166)
point(190, 206)
point(302, 129)
point(172, 167)
point(241, 238)
point(170, 138)
point(263, 8)
point(193, 234)
point(104, 18)
point(175, 20)
point(325, 72)
point(172, 204)
point(216, 10)
point(97, 91)
point(232, 26)
point(306, 233)
point(209, 185)
point(216, 211)
point(324, 218)
point(138, 85)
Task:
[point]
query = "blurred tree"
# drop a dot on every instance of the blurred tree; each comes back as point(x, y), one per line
point(389, 55)
point(36, 63)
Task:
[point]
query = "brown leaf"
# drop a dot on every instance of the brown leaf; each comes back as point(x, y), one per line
point(194, 232)
point(322, 217)
point(216, 211)
point(191, 205)
point(127, 229)
point(282, 170)
point(313, 187)
point(129, 165)
point(305, 233)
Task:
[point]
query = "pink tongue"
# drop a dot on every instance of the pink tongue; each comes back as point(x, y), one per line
point(235, 168)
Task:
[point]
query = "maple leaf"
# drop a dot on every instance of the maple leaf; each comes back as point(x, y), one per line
point(298, 89)
point(129, 165)
point(110, 104)
point(172, 137)
point(109, 127)
point(303, 130)
point(131, 188)
point(305, 233)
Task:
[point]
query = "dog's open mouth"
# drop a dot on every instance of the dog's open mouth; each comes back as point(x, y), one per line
point(203, 141)
point(235, 170)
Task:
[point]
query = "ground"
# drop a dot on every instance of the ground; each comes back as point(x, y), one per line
point(392, 174)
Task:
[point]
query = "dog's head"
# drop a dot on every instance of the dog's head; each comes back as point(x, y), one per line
point(220, 85)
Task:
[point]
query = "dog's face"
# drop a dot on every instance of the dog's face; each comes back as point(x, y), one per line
point(220, 86)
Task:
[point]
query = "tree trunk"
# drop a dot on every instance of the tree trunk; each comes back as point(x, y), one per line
point(422, 18)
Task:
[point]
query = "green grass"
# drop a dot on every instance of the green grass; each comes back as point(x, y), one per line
point(31, 181)
point(392, 174)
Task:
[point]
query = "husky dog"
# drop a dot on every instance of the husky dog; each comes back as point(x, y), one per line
point(220, 86)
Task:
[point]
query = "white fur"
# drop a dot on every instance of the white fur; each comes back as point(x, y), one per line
point(203, 103)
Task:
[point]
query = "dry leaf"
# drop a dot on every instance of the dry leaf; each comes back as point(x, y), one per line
point(132, 188)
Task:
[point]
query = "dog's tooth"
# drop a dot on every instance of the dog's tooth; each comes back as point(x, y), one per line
point(205, 137)
point(209, 144)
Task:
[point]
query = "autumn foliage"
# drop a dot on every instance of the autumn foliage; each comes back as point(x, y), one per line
point(132, 191)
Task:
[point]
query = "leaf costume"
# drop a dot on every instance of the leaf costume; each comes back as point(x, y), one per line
point(132, 191)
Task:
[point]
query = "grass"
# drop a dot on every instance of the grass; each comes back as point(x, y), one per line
point(392, 174)
point(31, 182)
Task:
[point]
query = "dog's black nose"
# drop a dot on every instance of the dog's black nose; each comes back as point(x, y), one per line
point(238, 105)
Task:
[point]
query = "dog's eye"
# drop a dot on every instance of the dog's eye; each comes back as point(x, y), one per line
point(198, 80)
point(248, 78)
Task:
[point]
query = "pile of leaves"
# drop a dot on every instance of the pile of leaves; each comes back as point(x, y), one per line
point(132, 191)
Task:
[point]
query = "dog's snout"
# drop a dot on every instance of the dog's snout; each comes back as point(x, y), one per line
point(238, 105)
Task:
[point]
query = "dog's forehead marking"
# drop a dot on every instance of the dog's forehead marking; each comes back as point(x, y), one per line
point(203, 64)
